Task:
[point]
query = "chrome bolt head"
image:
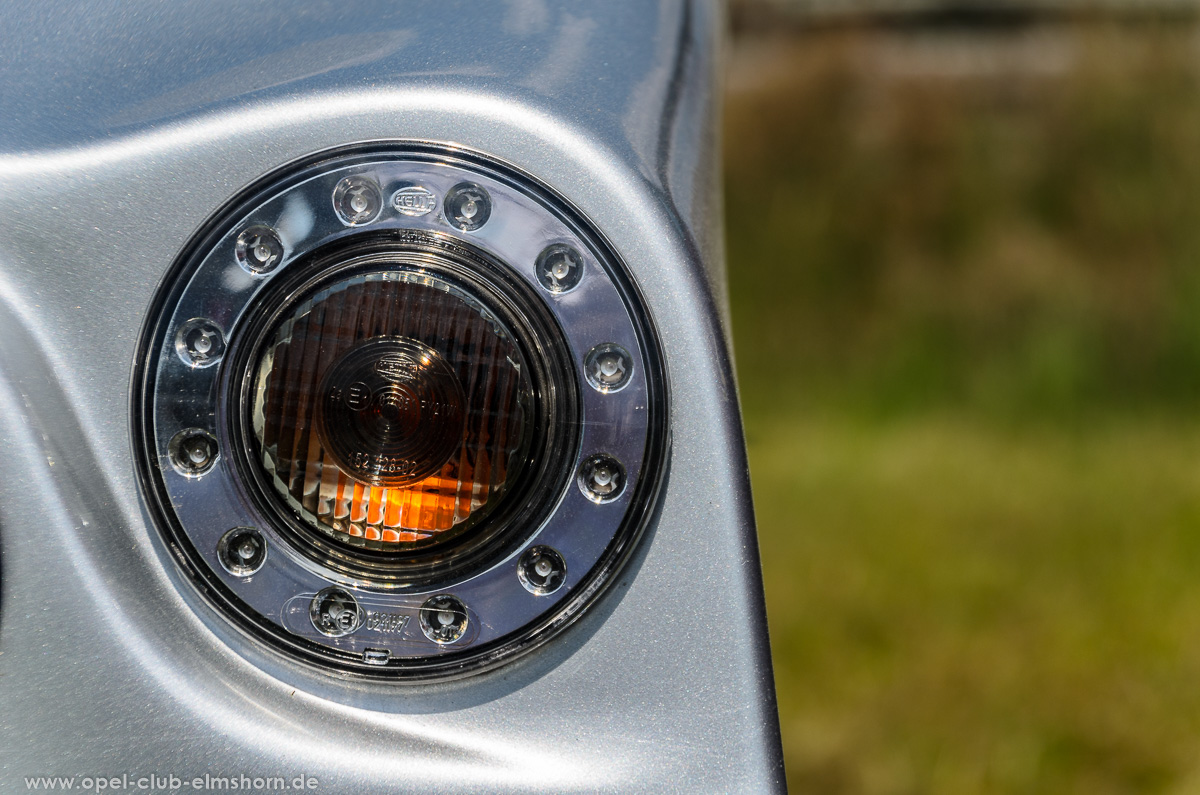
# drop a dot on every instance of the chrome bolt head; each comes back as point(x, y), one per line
point(541, 570)
point(259, 250)
point(443, 618)
point(608, 367)
point(601, 478)
point(335, 613)
point(193, 452)
point(242, 551)
point(467, 206)
point(357, 201)
point(559, 268)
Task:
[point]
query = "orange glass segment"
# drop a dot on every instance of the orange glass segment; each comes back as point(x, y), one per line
point(390, 409)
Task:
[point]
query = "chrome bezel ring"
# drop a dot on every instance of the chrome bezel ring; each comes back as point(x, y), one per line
point(524, 218)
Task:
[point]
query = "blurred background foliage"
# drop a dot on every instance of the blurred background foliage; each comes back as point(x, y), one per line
point(964, 256)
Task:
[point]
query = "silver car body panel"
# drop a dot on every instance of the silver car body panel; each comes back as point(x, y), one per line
point(123, 127)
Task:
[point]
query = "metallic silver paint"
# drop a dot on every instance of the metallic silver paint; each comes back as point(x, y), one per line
point(123, 126)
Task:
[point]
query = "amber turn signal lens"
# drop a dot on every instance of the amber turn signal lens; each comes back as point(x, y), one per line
point(391, 412)
point(391, 409)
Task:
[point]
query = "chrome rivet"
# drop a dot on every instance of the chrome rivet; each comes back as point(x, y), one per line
point(559, 268)
point(443, 618)
point(193, 452)
point(541, 570)
point(608, 367)
point(357, 201)
point(468, 206)
point(335, 613)
point(242, 551)
point(199, 343)
point(259, 249)
point(601, 478)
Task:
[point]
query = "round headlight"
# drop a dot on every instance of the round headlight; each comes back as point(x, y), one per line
point(403, 408)
point(402, 412)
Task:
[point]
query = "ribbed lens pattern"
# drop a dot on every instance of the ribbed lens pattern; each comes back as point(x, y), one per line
point(390, 408)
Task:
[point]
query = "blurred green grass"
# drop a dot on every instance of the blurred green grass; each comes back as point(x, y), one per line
point(966, 315)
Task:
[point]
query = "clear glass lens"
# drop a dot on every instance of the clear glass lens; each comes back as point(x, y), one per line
point(391, 410)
